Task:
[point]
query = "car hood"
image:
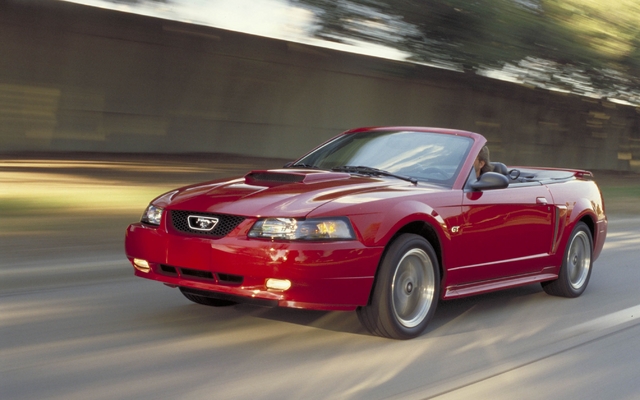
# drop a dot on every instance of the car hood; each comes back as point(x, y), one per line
point(280, 192)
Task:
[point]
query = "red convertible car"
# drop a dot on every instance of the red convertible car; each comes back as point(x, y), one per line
point(386, 221)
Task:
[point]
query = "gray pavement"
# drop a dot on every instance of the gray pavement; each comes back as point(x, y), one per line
point(76, 324)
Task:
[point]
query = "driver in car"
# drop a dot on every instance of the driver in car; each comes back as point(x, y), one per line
point(482, 163)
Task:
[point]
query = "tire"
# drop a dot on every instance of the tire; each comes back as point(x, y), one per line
point(575, 271)
point(207, 301)
point(406, 290)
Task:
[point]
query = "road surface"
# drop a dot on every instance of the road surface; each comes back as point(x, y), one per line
point(76, 324)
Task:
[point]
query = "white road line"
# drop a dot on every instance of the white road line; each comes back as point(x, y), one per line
point(606, 321)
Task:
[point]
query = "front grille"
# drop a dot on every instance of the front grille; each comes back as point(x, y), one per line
point(169, 270)
point(190, 273)
point(226, 223)
point(230, 279)
point(196, 273)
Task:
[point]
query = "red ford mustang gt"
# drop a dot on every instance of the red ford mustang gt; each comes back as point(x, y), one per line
point(384, 221)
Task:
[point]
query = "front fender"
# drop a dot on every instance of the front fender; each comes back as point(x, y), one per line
point(401, 214)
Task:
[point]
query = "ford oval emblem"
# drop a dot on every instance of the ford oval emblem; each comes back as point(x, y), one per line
point(201, 223)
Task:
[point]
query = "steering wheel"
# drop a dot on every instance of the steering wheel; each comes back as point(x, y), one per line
point(514, 174)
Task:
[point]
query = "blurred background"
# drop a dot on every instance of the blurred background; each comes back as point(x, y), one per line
point(548, 82)
point(106, 104)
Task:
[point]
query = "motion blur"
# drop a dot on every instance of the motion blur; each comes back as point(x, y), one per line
point(107, 105)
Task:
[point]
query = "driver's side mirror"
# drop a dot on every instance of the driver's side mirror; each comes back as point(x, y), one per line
point(489, 181)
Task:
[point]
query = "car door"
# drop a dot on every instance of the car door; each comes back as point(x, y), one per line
point(502, 232)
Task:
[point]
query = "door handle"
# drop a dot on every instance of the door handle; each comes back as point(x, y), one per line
point(542, 200)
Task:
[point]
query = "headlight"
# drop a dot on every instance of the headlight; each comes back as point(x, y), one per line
point(303, 229)
point(152, 215)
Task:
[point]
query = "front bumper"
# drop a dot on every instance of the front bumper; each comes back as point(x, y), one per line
point(323, 275)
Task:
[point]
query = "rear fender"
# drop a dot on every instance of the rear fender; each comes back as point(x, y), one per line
point(592, 213)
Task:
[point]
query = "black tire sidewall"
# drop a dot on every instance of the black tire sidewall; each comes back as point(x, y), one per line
point(383, 294)
point(564, 271)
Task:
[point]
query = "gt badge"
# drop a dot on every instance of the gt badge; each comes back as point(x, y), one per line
point(200, 223)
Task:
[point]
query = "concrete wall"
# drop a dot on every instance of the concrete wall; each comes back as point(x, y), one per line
point(74, 78)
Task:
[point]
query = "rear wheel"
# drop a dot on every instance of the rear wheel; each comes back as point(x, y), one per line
point(207, 301)
point(406, 291)
point(576, 265)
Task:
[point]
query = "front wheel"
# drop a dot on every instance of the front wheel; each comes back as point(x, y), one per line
point(576, 265)
point(406, 291)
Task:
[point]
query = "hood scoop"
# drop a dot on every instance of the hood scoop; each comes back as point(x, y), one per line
point(287, 176)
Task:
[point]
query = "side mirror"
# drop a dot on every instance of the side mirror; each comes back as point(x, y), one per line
point(490, 180)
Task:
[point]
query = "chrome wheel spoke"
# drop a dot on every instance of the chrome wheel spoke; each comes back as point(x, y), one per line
point(578, 260)
point(413, 288)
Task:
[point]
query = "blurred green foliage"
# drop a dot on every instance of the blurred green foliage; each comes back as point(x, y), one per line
point(583, 46)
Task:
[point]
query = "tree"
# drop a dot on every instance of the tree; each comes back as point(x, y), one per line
point(577, 45)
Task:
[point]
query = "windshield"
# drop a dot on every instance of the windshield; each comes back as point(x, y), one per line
point(425, 156)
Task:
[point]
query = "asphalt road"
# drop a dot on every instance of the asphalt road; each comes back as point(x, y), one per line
point(76, 324)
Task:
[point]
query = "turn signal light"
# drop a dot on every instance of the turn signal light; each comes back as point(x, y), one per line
point(278, 284)
point(141, 265)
